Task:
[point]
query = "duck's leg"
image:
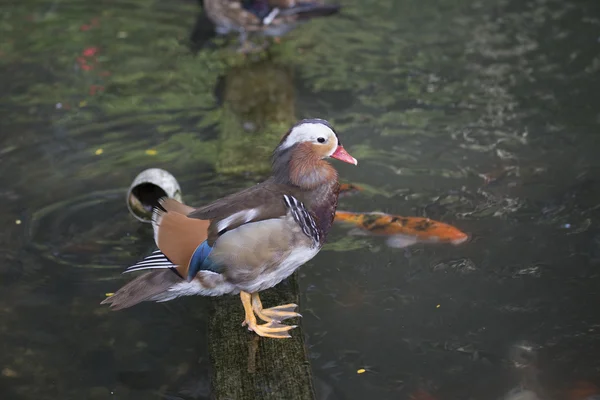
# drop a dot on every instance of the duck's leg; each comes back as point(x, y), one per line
point(277, 314)
point(272, 329)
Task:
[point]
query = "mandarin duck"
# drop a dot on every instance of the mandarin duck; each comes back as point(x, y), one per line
point(248, 241)
point(267, 17)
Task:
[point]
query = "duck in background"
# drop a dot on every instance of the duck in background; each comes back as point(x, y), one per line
point(249, 241)
point(271, 18)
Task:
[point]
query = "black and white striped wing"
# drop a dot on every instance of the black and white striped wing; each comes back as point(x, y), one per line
point(156, 260)
point(303, 217)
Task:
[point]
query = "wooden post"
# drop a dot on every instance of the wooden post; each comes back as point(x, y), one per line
point(258, 110)
point(248, 367)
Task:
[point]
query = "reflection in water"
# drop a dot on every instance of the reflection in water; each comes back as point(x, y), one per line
point(480, 113)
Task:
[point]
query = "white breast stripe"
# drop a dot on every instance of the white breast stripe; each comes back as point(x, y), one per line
point(303, 218)
point(286, 198)
point(292, 203)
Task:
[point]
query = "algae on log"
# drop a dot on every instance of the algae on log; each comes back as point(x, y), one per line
point(258, 110)
point(249, 367)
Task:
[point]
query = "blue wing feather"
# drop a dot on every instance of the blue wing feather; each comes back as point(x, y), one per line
point(200, 261)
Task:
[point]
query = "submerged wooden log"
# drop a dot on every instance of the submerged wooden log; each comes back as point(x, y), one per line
point(249, 367)
point(258, 109)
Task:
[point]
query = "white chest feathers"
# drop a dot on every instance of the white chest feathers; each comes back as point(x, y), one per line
point(296, 258)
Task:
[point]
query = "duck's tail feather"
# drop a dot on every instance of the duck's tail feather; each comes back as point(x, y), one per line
point(151, 286)
point(177, 238)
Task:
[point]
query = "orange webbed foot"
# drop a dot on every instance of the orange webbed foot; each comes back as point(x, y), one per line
point(279, 313)
point(272, 316)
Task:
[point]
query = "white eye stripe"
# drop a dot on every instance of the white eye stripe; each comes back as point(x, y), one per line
point(308, 132)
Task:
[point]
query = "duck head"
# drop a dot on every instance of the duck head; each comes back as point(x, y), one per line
point(299, 158)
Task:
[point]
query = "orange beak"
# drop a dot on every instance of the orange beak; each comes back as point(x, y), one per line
point(342, 155)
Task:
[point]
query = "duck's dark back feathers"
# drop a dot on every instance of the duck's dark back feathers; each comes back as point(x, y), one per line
point(311, 10)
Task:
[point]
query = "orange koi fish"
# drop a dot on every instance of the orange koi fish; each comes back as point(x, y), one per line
point(348, 189)
point(402, 231)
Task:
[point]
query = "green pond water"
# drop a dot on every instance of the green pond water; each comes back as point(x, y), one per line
point(481, 114)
